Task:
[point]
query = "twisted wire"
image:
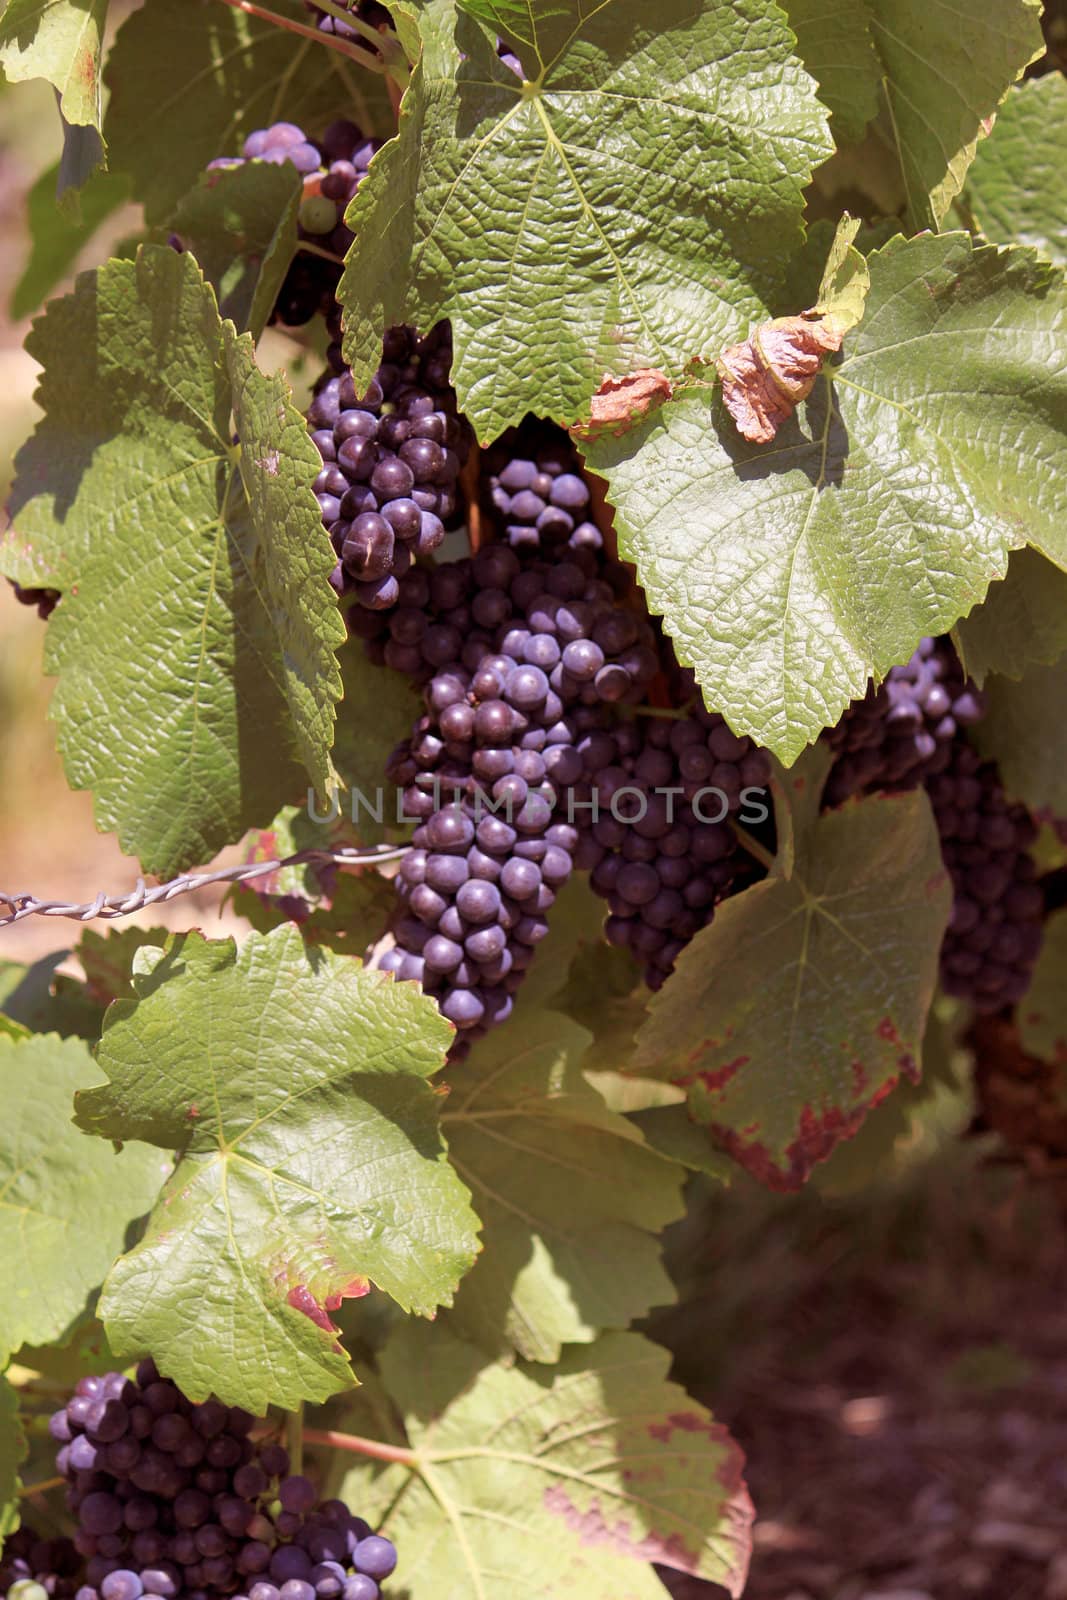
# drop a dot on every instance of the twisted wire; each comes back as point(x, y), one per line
point(109, 907)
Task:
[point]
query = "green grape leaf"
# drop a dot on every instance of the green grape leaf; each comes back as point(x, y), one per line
point(59, 40)
point(912, 92)
point(1021, 623)
point(40, 1000)
point(189, 83)
point(846, 279)
point(543, 218)
point(11, 1029)
point(196, 718)
point(802, 1004)
point(834, 42)
point(58, 238)
point(1043, 1012)
point(507, 1497)
point(565, 1189)
point(1015, 189)
point(943, 82)
point(292, 1083)
point(108, 959)
point(672, 1131)
point(380, 707)
point(935, 446)
point(577, 931)
point(12, 1455)
point(1023, 730)
point(67, 1200)
point(241, 225)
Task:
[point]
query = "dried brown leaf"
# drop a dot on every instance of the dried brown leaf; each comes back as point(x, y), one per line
point(765, 378)
point(619, 402)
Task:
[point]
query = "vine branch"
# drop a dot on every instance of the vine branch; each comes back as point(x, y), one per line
point(109, 907)
point(361, 1447)
point(344, 47)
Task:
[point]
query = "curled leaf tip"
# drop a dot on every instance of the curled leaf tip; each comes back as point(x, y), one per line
point(620, 402)
point(766, 377)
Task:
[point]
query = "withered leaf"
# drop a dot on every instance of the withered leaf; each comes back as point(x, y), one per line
point(619, 402)
point(765, 378)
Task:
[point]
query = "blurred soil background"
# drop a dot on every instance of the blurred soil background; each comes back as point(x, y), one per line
point(890, 1347)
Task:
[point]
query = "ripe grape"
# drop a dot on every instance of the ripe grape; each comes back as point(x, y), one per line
point(196, 1508)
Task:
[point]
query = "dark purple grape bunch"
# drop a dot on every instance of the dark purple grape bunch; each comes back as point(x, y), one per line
point(332, 168)
point(45, 600)
point(903, 731)
point(391, 460)
point(660, 846)
point(32, 1568)
point(522, 660)
point(175, 1499)
point(995, 931)
point(541, 501)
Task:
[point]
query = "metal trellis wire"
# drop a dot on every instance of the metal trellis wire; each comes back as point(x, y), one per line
point(110, 907)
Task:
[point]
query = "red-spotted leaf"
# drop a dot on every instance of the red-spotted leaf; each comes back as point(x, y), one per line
point(805, 1001)
point(310, 1166)
point(531, 1485)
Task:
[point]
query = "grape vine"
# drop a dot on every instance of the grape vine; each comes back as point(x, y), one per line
point(612, 599)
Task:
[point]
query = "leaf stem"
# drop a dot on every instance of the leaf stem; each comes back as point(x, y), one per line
point(25, 1489)
point(344, 47)
point(361, 1447)
point(753, 846)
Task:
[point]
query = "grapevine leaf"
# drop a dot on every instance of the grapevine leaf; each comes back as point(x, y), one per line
point(58, 238)
point(241, 225)
point(542, 217)
point(672, 1131)
point(29, 999)
point(798, 1009)
point(11, 1029)
point(67, 1200)
point(380, 707)
point(186, 721)
point(1043, 1013)
point(1024, 731)
point(1021, 623)
point(58, 40)
point(291, 1082)
point(846, 279)
point(565, 1189)
point(12, 1454)
point(834, 42)
point(577, 930)
point(189, 83)
point(936, 446)
point(507, 1499)
point(934, 84)
point(1015, 188)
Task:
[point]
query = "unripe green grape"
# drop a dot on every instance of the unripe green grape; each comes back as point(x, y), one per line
point(317, 214)
point(27, 1589)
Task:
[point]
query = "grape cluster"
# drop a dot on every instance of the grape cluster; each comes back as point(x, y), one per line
point(521, 661)
point(32, 1568)
point(390, 461)
point(995, 931)
point(904, 730)
point(175, 1501)
point(333, 168)
point(541, 501)
point(662, 851)
point(45, 600)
